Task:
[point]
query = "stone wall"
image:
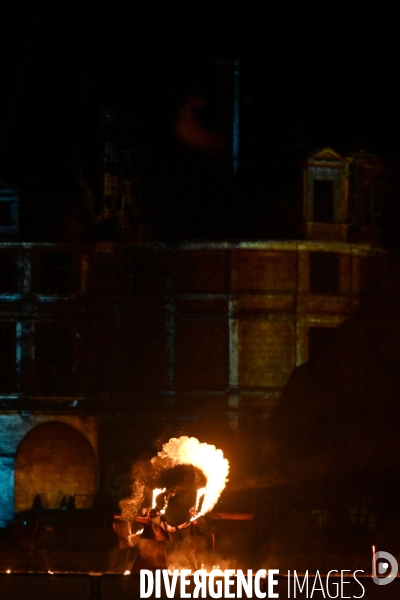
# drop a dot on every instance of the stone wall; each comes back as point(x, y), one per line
point(227, 320)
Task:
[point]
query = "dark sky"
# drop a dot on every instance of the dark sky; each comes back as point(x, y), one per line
point(310, 77)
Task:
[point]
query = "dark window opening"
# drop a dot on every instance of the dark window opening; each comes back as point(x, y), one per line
point(56, 274)
point(54, 360)
point(8, 273)
point(323, 201)
point(5, 214)
point(324, 273)
point(322, 341)
point(7, 357)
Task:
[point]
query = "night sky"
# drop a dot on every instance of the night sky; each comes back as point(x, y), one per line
point(310, 77)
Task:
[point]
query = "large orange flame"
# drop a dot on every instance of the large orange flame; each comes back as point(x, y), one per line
point(182, 451)
point(211, 461)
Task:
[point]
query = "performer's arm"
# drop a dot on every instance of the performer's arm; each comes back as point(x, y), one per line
point(183, 525)
point(173, 529)
point(145, 516)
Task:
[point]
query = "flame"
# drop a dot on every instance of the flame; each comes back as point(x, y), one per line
point(164, 508)
point(139, 532)
point(189, 451)
point(201, 492)
point(156, 492)
point(127, 572)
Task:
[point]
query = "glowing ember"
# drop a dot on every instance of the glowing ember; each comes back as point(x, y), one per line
point(127, 572)
point(207, 458)
point(201, 492)
point(156, 492)
point(139, 532)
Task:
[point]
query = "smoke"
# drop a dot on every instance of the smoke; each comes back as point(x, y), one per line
point(189, 129)
point(130, 506)
point(309, 470)
point(177, 559)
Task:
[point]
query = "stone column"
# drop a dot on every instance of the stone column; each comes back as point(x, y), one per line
point(7, 468)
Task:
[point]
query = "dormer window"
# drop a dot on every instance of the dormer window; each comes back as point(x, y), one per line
point(326, 195)
point(323, 201)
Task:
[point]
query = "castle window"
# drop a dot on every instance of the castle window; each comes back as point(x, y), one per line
point(324, 273)
point(323, 201)
point(54, 361)
point(56, 274)
point(7, 357)
point(8, 273)
point(5, 214)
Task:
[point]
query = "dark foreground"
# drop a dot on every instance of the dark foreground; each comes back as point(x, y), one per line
point(43, 586)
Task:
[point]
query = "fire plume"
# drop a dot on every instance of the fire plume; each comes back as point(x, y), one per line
point(156, 492)
point(211, 461)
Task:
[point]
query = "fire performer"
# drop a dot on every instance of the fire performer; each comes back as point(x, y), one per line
point(195, 543)
point(156, 532)
point(121, 557)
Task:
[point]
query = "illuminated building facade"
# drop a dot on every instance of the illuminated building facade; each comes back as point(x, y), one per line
point(46, 447)
point(201, 332)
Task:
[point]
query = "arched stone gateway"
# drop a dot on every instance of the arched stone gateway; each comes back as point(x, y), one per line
point(54, 460)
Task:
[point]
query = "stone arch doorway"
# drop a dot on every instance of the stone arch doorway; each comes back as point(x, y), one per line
point(54, 460)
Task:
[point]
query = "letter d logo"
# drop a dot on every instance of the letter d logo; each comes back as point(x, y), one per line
point(383, 568)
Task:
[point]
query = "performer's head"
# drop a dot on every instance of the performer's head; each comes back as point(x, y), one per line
point(154, 512)
point(193, 512)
